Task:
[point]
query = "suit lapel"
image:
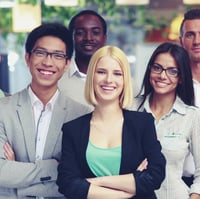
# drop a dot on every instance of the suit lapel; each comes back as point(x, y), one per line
point(26, 120)
point(54, 135)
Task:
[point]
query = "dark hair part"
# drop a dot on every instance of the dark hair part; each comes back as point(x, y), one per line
point(185, 88)
point(50, 29)
point(190, 15)
point(87, 12)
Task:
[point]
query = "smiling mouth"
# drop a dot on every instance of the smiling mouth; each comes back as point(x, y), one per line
point(45, 72)
point(161, 84)
point(88, 47)
point(106, 88)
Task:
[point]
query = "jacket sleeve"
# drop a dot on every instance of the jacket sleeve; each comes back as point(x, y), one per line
point(151, 178)
point(15, 174)
point(47, 189)
point(70, 180)
point(29, 179)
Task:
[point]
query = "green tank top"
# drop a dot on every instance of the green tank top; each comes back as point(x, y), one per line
point(103, 161)
point(1, 93)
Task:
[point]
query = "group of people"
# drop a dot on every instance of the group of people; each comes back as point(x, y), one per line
point(77, 131)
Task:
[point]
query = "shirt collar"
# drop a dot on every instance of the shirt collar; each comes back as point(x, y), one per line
point(73, 70)
point(195, 82)
point(35, 101)
point(179, 106)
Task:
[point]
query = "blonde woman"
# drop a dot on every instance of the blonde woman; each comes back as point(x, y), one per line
point(102, 151)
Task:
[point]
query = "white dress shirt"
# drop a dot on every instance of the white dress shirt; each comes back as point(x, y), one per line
point(189, 167)
point(42, 116)
point(196, 86)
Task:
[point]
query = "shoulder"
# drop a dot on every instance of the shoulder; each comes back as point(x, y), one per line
point(79, 122)
point(138, 120)
point(72, 104)
point(137, 116)
point(14, 98)
point(137, 102)
point(139, 124)
point(191, 110)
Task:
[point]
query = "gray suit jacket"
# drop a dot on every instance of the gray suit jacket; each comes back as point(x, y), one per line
point(25, 176)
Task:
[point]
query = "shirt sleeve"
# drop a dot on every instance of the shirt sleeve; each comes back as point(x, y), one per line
point(195, 150)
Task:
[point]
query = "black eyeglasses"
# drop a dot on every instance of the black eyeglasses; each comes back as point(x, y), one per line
point(43, 54)
point(171, 72)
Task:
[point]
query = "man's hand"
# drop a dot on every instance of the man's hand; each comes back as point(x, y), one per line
point(8, 152)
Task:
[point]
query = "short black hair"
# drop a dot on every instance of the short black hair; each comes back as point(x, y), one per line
point(50, 29)
point(190, 15)
point(87, 12)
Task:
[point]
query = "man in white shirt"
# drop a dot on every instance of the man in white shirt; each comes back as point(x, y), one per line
point(190, 40)
point(31, 120)
point(89, 32)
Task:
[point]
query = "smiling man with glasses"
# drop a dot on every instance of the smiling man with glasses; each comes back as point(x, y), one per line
point(56, 56)
point(31, 120)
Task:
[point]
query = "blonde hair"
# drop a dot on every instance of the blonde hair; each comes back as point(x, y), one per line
point(126, 98)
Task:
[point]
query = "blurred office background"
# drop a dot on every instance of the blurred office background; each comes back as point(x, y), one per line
point(136, 26)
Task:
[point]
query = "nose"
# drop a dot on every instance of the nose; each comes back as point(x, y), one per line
point(163, 74)
point(109, 78)
point(47, 61)
point(88, 35)
point(197, 38)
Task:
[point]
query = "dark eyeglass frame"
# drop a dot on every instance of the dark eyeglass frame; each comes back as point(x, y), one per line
point(43, 53)
point(171, 71)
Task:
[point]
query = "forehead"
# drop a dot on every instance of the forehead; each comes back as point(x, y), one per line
point(87, 21)
point(50, 43)
point(165, 59)
point(109, 63)
point(191, 25)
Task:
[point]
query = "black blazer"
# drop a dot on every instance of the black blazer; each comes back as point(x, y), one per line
point(139, 141)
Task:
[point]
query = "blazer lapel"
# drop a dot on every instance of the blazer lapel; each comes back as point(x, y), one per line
point(54, 133)
point(26, 120)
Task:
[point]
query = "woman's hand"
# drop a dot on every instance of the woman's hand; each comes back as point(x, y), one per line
point(8, 152)
point(143, 165)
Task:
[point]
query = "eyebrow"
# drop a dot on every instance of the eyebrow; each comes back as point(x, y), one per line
point(44, 49)
point(163, 66)
point(83, 28)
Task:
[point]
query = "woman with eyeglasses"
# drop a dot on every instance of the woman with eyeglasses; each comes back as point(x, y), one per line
point(167, 92)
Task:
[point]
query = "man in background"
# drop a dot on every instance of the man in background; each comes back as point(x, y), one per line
point(190, 40)
point(89, 32)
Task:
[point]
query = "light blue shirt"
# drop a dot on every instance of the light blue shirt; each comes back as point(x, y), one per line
point(179, 134)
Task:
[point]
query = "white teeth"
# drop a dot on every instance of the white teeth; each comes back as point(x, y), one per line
point(162, 83)
point(107, 88)
point(46, 72)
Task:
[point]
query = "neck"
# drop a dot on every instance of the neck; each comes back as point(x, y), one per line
point(107, 113)
point(44, 94)
point(196, 71)
point(82, 63)
point(160, 105)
